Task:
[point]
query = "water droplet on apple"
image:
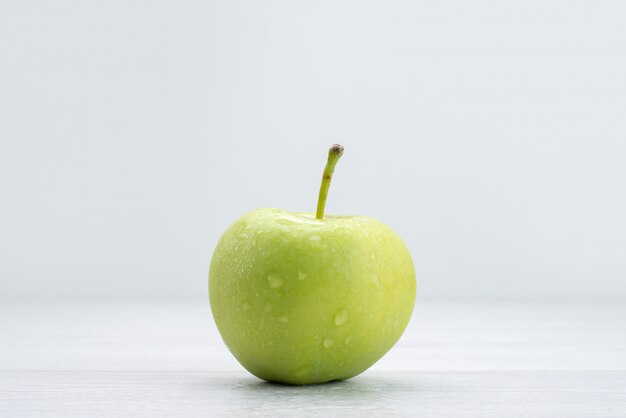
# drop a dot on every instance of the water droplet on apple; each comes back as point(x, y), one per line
point(328, 342)
point(341, 317)
point(301, 275)
point(348, 339)
point(315, 238)
point(275, 281)
point(283, 319)
point(374, 279)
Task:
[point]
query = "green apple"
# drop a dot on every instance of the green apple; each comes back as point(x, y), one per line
point(301, 298)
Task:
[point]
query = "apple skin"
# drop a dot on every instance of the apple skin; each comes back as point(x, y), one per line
point(299, 300)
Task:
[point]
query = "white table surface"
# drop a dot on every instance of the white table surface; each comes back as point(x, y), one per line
point(453, 361)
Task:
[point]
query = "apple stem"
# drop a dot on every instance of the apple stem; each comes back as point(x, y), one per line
point(334, 154)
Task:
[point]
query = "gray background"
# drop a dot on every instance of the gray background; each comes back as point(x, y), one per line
point(490, 135)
